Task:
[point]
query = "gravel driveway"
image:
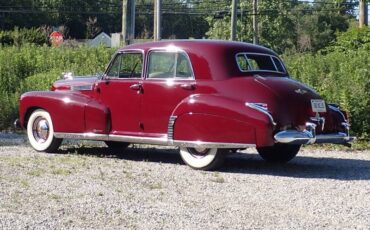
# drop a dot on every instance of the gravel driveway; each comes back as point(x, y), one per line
point(150, 188)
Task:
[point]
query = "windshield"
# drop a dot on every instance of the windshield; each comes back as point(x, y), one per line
point(259, 62)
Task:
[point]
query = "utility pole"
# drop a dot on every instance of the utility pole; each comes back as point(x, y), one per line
point(157, 20)
point(131, 21)
point(124, 22)
point(255, 22)
point(363, 17)
point(233, 19)
point(128, 21)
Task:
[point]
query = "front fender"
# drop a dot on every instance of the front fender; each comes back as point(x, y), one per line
point(70, 112)
point(215, 118)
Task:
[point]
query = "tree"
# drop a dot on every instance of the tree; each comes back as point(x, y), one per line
point(286, 26)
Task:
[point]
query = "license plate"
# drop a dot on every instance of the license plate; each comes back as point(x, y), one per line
point(318, 106)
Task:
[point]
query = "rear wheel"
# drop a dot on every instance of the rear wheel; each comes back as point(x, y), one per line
point(280, 153)
point(40, 132)
point(203, 158)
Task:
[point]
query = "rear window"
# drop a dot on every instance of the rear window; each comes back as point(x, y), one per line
point(259, 62)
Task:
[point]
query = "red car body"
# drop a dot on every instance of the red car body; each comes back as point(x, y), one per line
point(215, 95)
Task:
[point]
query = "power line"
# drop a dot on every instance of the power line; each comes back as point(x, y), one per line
point(146, 9)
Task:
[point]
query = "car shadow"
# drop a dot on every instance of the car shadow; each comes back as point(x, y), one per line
point(301, 167)
point(251, 163)
point(150, 154)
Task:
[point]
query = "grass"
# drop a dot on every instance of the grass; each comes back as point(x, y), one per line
point(36, 172)
point(155, 185)
point(55, 197)
point(61, 171)
point(24, 183)
point(217, 178)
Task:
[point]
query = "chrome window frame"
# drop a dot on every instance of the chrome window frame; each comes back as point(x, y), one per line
point(167, 50)
point(245, 54)
point(125, 52)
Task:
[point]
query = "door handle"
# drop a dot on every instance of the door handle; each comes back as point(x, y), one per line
point(138, 87)
point(135, 87)
point(188, 86)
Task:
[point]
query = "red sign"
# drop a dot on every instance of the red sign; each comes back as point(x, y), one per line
point(56, 38)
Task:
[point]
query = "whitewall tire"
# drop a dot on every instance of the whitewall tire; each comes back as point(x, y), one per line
point(202, 158)
point(40, 132)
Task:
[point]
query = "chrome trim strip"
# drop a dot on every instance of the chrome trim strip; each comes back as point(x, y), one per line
point(170, 130)
point(139, 140)
point(151, 140)
point(112, 137)
point(221, 145)
point(82, 87)
point(259, 108)
point(83, 136)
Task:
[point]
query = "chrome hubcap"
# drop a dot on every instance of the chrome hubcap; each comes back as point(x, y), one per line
point(198, 152)
point(40, 129)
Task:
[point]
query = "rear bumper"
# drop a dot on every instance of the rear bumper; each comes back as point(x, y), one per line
point(308, 136)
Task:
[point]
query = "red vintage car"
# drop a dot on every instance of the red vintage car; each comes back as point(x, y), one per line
point(206, 97)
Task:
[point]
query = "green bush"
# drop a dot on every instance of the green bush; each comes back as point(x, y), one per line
point(30, 67)
point(18, 37)
point(340, 77)
point(341, 74)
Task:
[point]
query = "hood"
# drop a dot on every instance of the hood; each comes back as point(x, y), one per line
point(75, 84)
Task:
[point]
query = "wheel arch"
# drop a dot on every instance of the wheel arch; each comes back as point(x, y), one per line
point(28, 113)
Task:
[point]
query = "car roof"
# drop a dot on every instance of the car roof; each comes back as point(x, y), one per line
point(211, 59)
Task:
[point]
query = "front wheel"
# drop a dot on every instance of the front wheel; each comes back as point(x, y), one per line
point(203, 158)
point(40, 132)
point(280, 153)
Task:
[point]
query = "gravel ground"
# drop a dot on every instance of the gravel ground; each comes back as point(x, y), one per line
point(150, 188)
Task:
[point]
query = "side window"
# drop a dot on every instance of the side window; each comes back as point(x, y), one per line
point(261, 62)
point(279, 65)
point(161, 64)
point(126, 65)
point(242, 62)
point(114, 68)
point(164, 64)
point(183, 69)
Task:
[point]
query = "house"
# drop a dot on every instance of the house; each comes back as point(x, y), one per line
point(101, 39)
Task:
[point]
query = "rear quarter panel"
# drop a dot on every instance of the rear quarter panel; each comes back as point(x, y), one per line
point(214, 118)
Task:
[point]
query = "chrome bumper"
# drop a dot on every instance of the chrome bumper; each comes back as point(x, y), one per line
point(308, 136)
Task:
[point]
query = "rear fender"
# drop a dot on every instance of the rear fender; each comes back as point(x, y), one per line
point(214, 118)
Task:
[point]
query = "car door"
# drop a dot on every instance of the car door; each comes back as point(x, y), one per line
point(169, 79)
point(120, 91)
